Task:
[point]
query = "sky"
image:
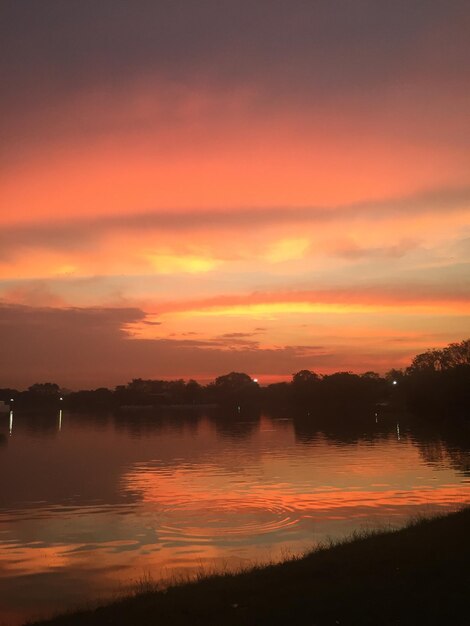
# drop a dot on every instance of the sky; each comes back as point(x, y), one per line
point(190, 188)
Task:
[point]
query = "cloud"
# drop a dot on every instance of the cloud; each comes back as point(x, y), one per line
point(237, 335)
point(34, 293)
point(91, 347)
point(99, 72)
point(328, 46)
point(373, 296)
point(181, 263)
point(237, 340)
point(79, 234)
point(351, 250)
point(271, 152)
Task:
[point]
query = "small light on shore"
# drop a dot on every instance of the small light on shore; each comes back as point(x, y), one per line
point(255, 380)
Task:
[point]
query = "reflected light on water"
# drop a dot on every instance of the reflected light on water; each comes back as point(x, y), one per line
point(116, 498)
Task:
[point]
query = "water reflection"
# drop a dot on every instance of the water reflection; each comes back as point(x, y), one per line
point(117, 496)
point(236, 428)
point(444, 446)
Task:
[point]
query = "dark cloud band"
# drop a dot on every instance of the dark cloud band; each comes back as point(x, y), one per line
point(78, 233)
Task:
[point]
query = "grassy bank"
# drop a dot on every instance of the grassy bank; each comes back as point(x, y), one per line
point(417, 575)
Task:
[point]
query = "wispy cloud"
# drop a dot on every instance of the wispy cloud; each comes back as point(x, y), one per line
point(375, 297)
point(76, 233)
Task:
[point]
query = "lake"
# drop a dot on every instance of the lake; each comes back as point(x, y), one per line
point(90, 504)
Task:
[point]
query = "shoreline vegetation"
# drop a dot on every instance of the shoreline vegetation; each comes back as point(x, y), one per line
point(436, 386)
point(415, 575)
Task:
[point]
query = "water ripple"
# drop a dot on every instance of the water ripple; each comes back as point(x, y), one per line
point(227, 517)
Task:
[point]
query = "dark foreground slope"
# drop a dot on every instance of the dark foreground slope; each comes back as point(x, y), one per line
point(418, 575)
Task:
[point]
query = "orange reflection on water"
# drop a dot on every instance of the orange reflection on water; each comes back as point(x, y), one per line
point(182, 495)
point(165, 497)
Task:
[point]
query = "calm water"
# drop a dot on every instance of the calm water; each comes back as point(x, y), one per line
point(90, 503)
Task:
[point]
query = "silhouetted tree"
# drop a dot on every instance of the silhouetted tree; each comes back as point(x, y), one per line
point(7, 393)
point(437, 360)
point(39, 395)
point(438, 382)
point(277, 395)
point(193, 393)
point(371, 375)
point(101, 398)
point(394, 374)
point(45, 389)
point(305, 377)
point(305, 386)
point(236, 388)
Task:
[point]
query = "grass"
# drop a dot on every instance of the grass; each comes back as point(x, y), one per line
point(413, 576)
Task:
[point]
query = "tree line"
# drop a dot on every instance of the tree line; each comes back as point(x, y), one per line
point(437, 383)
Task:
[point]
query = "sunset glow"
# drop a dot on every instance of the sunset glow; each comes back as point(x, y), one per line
point(274, 176)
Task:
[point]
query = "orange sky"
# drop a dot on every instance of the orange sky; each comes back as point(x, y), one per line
point(303, 170)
